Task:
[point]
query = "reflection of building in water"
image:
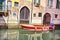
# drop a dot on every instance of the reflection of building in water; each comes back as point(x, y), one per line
point(32, 12)
point(37, 11)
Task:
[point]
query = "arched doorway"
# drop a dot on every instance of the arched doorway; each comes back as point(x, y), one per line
point(24, 15)
point(47, 18)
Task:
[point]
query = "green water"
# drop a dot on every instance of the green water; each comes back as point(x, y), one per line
point(23, 34)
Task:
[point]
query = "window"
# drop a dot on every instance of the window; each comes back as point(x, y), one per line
point(58, 4)
point(39, 14)
point(16, 4)
point(14, 14)
point(4, 5)
point(50, 3)
point(34, 15)
point(36, 2)
point(9, 5)
point(0, 4)
point(56, 15)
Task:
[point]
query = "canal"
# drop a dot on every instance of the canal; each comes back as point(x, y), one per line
point(23, 34)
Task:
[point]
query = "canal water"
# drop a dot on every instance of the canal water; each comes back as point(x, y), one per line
point(23, 34)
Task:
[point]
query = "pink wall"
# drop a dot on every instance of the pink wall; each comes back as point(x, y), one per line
point(53, 11)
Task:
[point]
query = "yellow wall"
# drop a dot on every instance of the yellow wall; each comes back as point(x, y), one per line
point(14, 1)
point(18, 1)
point(29, 0)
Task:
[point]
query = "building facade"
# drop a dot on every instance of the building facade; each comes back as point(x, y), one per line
point(48, 12)
point(53, 8)
point(34, 12)
point(3, 13)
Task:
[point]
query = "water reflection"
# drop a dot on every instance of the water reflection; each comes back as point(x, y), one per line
point(17, 34)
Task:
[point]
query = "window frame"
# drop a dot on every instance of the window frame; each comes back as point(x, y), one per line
point(56, 15)
point(14, 14)
point(16, 4)
point(50, 3)
point(39, 14)
point(57, 5)
point(35, 1)
point(34, 15)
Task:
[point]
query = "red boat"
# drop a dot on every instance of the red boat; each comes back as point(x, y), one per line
point(37, 28)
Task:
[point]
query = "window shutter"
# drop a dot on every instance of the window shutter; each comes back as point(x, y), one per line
point(34, 1)
point(39, 1)
point(58, 4)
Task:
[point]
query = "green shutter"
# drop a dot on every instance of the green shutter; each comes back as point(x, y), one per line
point(59, 4)
point(39, 1)
point(0, 6)
point(3, 5)
point(34, 1)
